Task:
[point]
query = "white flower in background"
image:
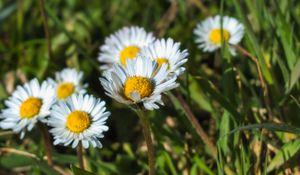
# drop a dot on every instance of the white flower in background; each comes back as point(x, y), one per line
point(67, 82)
point(124, 44)
point(167, 52)
point(209, 34)
point(28, 104)
point(79, 119)
point(141, 81)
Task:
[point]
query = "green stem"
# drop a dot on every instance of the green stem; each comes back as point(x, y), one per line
point(47, 144)
point(196, 125)
point(200, 131)
point(261, 78)
point(46, 28)
point(147, 135)
point(80, 155)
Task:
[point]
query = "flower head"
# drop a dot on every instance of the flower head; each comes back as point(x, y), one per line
point(27, 105)
point(79, 119)
point(68, 82)
point(124, 44)
point(167, 52)
point(141, 81)
point(210, 33)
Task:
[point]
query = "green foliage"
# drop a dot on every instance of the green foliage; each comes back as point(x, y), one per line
point(284, 155)
point(254, 134)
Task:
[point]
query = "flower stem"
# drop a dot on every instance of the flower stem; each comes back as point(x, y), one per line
point(80, 155)
point(47, 144)
point(46, 27)
point(254, 59)
point(261, 78)
point(196, 125)
point(147, 135)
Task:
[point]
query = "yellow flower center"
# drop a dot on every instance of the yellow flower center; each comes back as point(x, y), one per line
point(215, 36)
point(138, 84)
point(78, 121)
point(30, 107)
point(128, 52)
point(64, 90)
point(161, 61)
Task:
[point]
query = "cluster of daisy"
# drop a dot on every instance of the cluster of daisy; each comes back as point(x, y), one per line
point(62, 104)
point(139, 67)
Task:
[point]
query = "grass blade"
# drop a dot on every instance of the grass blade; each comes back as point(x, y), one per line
point(285, 154)
point(269, 126)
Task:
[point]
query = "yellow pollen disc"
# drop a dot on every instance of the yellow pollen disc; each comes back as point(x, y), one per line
point(78, 121)
point(64, 90)
point(215, 36)
point(138, 84)
point(30, 107)
point(128, 52)
point(161, 61)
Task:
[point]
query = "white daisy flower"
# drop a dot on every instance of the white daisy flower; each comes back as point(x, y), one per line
point(141, 81)
point(79, 119)
point(67, 82)
point(167, 52)
point(124, 44)
point(209, 33)
point(27, 105)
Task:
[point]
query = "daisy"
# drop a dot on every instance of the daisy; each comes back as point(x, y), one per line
point(141, 81)
point(167, 52)
point(209, 33)
point(67, 82)
point(79, 119)
point(27, 105)
point(124, 44)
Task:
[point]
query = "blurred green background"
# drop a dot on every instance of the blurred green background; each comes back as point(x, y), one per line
point(223, 92)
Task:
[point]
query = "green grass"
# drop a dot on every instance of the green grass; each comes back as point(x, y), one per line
point(231, 110)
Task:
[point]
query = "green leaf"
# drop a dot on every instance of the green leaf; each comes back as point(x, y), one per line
point(269, 126)
point(78, 171)
point(225, 128)
point(169, 162)
point(285, 33)
point(65, 158)
point(202, 166)
point(286, 153)
point(295, 74)
point(13, 161)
